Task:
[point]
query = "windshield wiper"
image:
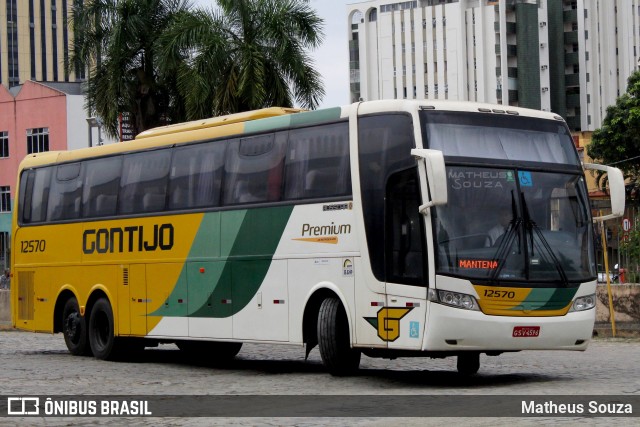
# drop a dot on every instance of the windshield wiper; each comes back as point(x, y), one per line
point(507, 239)
point(532, 226)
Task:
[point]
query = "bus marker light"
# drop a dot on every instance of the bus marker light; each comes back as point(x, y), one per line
point(412, 304)
point(376, 304)
point(201, 269)
point(225, 301)
point(278, 301)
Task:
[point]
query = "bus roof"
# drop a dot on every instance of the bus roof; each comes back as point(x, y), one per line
point(218, 121)
point(268, 118)
point(196, 130)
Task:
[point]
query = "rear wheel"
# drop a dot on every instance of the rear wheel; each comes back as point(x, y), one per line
point(468, 363)
point(101, 330)
point(333, 339)
point(74, 329)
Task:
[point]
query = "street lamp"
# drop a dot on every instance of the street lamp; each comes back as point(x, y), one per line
point(94, 122)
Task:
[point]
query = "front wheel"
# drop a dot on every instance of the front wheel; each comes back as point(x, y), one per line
point(101, 330)
point(333, 339)
point(468, 363)
point(74, 329)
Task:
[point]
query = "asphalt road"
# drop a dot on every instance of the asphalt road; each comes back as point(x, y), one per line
point(39, 364)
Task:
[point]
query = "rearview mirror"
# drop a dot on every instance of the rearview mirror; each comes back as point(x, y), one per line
point(431, 168)
point(616, 190)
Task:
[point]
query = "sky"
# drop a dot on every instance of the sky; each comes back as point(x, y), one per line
point(332, 57)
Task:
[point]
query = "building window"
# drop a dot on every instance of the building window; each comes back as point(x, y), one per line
point(4, 249)
point(4, 144)
point(37, 140)
point(43, 39)
point(12, 43)
point(5, 199)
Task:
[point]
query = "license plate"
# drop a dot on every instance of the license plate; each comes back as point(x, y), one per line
point(526, 331)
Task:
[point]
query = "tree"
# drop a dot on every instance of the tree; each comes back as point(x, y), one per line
point(247, 54)
point(618, 140)
point(117, 39)
point(162, 61)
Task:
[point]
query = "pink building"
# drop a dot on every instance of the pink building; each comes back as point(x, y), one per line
point(35, 117)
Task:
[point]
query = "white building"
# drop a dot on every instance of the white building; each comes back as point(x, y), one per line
point(572, 57)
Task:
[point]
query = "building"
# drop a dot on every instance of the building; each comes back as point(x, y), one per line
point(41, 102)
point(35, 40)
point(572, 57)
point(35, 117)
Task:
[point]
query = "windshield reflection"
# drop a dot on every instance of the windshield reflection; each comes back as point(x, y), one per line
point(511, 225)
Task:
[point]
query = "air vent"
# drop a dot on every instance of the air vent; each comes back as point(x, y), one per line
point(257, 145)
point(125, 276)
point(25, 294)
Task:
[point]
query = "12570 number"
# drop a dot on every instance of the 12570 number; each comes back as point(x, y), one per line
point(492, 293)
point(31, 246)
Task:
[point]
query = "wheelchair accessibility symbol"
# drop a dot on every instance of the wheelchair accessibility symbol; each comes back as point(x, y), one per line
point(525, 179)
point(414, 329)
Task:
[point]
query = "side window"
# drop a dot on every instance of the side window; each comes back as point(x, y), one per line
point(27, 181)
point(384, 148)
point(404, 230)
point(101, 184)
point(143, 186)
point(37, 196)
point(253, 169)
point(196, 175)
point(66, 193)
point(318, 162)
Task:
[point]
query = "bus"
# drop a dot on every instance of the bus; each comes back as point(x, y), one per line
point(386, 228)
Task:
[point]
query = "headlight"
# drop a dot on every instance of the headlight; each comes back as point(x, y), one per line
point(454, 299)
point(584, 303)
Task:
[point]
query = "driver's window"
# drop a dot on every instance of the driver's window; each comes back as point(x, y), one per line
point(405, 231)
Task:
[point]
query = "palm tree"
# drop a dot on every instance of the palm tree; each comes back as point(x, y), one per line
point(246, 54)
point(117, 39)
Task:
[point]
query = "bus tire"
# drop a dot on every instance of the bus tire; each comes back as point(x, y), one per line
point(74, 329)
point(101, 330)
point(333, 339)
point(468, 363)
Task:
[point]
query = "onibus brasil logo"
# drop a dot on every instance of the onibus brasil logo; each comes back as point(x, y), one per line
point(387, 322)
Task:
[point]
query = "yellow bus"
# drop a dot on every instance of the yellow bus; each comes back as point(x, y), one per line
point(384, 228)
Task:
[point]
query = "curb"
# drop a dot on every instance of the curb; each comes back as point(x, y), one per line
point(6, 326)
point(623, 330)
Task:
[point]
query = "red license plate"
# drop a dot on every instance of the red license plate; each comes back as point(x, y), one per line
point(526, 331)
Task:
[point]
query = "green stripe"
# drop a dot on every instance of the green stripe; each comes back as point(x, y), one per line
point(298, 119)
point(247, 240)
point(546, 299)
point(316, 117)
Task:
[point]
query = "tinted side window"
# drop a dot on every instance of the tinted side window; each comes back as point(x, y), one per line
point(253, 169)
point(384, 147)
point(405, 231)
point(318, 162)
point(66, 193)
point(143, 187)
point(26, 194)
point(40, 195)
point(101, 184)
point(196, 176)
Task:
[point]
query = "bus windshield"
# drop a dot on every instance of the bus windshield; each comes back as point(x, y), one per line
point(515, 222)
